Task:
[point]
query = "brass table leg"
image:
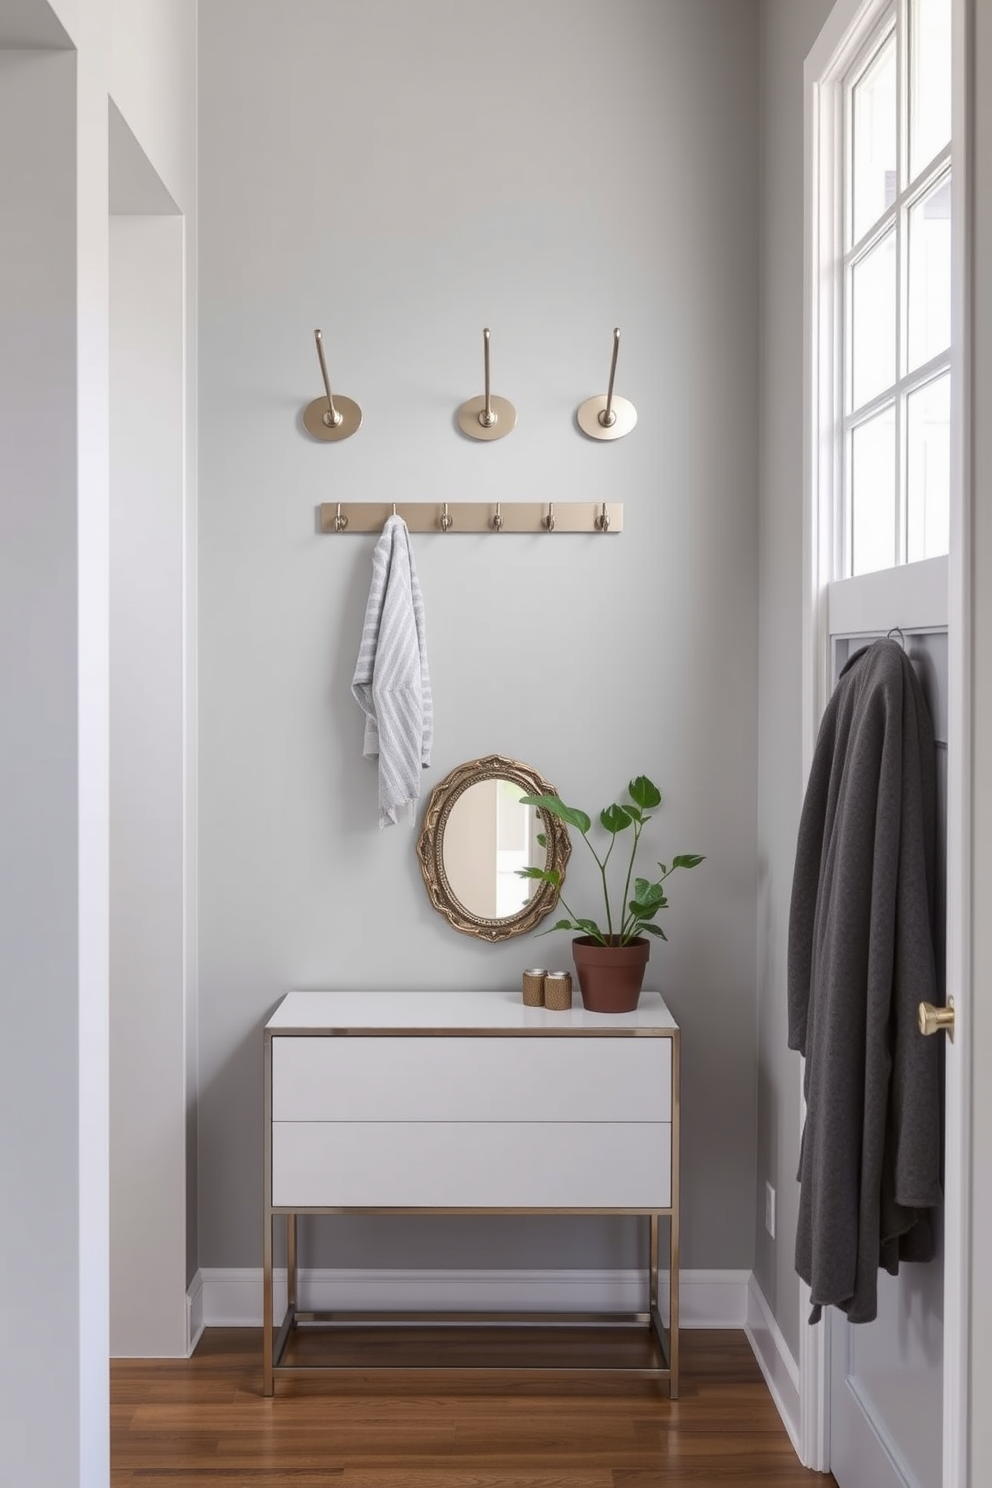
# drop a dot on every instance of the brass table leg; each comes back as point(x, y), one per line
point(268, 1378)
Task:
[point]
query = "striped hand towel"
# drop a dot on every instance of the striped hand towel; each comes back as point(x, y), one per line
point(391, 680)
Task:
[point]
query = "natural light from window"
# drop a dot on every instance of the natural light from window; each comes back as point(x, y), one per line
point(897, 292)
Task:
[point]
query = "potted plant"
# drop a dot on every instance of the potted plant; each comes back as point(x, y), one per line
point(610, 958)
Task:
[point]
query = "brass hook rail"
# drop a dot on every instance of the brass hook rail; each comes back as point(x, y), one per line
point(451, 517)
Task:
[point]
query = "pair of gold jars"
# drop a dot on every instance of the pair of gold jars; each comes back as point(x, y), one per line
point(550, 989)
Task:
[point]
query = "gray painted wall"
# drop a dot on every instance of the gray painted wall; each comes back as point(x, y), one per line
point(401, 176)
point(788, 30)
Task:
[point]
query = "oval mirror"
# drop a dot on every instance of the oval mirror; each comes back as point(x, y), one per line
point(476, 833)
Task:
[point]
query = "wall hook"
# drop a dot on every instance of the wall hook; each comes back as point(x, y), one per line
point(603, 520)
point(549, 520)
point(498, 518)
point(330, 418)
point(609, 417)
point(340, 520)
point(445, 520)
point(487, 417)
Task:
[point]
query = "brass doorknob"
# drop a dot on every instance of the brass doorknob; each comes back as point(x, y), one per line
point(933, 1019)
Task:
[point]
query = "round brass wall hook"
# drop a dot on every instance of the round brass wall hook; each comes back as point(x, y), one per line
point(609, 417)
point(487, 417)
point(330, 418)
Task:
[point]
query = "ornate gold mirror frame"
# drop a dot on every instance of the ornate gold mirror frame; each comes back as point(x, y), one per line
point(430, 849)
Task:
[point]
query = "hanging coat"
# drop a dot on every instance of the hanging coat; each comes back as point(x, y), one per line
point(861, 960)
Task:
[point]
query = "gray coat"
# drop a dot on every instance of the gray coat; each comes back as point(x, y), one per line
point(861, 960)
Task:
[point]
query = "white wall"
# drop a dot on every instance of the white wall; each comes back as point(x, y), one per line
point(54, 800)
point(153, 83)
point(402, 176)
point(147, 839)
point(152, 674)
point(53, 1248)
point(788, 30)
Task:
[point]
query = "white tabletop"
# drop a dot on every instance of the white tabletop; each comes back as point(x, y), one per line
point(454, 1012)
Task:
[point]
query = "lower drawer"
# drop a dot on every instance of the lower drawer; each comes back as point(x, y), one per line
point(471, 1165)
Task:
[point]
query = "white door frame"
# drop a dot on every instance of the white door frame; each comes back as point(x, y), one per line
point(820, 478)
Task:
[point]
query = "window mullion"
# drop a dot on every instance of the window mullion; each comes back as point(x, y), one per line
point(841, 324)
point(902, 276)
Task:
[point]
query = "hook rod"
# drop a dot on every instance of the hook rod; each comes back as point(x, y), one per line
point(332, 418)
point(608, 418)
point(487, 418)
point(612, 416)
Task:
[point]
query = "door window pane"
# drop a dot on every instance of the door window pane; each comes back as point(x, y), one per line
point(930, 274)
point(873, 322)
point(873, 494)
point(928, 470)
point(873, 155)
point(930, 80)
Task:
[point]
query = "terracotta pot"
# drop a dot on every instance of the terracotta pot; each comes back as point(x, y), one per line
point(610, 976)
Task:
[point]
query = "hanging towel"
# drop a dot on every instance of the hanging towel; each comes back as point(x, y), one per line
point(391, 680)
point(861, 959)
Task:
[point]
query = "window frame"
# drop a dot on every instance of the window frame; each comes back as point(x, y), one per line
point(855, 32)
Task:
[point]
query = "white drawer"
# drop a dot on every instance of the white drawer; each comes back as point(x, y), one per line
point(472, 1079)
point(457, 1165)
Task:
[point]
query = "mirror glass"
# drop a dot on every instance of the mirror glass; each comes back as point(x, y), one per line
point(488, 836)
point(477, 834)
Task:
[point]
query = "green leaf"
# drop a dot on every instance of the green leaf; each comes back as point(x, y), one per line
point(635, 812)
point(644, 793)
point(615, 818)
point(643, 928)
point(542, 839)
point(559, 925)
point(546, 875)
point(570, 814)
point(591, 928)
point(648, 893)
point(687, 860)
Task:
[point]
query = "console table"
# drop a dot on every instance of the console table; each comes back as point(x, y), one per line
point(469, 1102)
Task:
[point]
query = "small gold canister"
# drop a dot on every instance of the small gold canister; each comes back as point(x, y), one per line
point(558, 991)
point(533, 986)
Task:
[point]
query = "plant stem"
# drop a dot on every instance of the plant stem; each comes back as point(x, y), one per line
point(606, 893)
point(601, 865)
point(638, 827)
point(572, 915)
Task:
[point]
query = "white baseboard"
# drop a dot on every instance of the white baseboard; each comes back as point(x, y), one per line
point(775, 1361)
point(194, 1312)
point(231, 1297)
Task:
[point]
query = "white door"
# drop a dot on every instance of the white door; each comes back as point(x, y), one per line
point(887, 237)
point(887, 1377)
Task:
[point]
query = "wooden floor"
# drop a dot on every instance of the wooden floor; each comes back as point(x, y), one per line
point(204, 1423)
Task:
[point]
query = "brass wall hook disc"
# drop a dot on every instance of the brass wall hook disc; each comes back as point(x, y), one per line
point(588, 417)
point(351, 418)
point(470, 423)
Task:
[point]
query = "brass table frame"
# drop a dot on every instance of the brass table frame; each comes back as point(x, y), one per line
point(276, 1340)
